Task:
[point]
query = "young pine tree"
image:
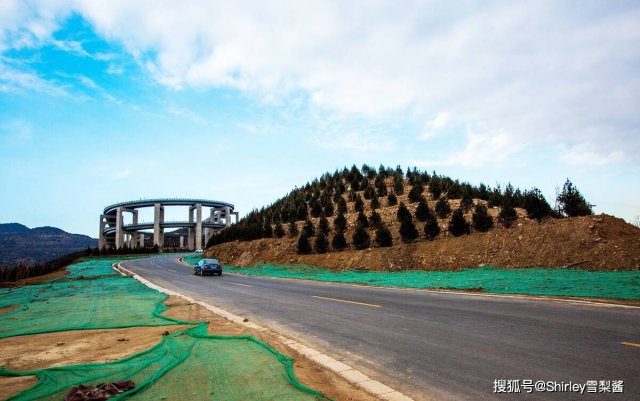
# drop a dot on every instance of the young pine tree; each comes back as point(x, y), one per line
point(323, 225)
point(571, 202)
point(308, 228)
point(321, 243)
point(392, 199)
point(408, 230)
point(279, 230)
point(361, 239)
point(340, 223)
point(342, 205)
point(442, 207)
point(328, 209)
point(481, 219)
point(403, 213)
point(398, 184)
point(362, 219)
point(359, 204)
point(507, 215)
point(536, 205)
point(375, 219)
point(375, 202)
point(339, 242)
point(383, 236)
point(422, 210)
point(304, 247)
point(293, 229)
point(431, 227)
point(458, 225)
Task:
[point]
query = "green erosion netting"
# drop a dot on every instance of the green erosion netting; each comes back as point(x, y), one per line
point(104, 302)
point(192, 259)
point(188, 365)
point(94, 268)
point(537, 281)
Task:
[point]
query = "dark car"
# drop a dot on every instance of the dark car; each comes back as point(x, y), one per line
point(208, 266)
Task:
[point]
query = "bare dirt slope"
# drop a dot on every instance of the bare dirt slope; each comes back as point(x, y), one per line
point(599, 242)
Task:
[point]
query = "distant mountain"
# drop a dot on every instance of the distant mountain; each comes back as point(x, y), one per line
point(13, 228)
point(21, 244)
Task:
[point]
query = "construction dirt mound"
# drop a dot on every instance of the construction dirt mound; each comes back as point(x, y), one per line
point(599, 242)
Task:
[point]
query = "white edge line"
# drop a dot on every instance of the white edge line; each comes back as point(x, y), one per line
point(350, 374)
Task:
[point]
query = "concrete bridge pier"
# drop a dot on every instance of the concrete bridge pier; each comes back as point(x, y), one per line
point(102, 242)
point(158, 219)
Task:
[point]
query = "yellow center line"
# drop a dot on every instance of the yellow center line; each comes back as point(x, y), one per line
point(244, 285)
point(630, 344)
point(348, 302)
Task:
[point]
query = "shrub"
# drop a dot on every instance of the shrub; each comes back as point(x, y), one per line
point(458, 225)
point(481, 219)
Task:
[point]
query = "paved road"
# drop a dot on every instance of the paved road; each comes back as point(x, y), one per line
point(432, 345)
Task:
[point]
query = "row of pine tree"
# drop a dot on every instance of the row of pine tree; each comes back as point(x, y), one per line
point(328, 196)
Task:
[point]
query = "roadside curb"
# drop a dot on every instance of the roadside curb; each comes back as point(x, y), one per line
point(350, 374)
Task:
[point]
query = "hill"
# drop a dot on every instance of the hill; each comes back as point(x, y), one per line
point(20, 244)
point(534, 235)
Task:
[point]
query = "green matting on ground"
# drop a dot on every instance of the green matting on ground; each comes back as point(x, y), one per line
point(187, 365)
point(536, 281)
point(183, 365)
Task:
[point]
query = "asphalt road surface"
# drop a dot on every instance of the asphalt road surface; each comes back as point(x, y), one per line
point(432, 345)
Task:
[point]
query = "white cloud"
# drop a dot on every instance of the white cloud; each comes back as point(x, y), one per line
point(435, 126)
point(14, 80)
point(540, 72)
point(480, 149)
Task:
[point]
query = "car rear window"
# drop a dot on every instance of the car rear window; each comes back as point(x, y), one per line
point(211, 262)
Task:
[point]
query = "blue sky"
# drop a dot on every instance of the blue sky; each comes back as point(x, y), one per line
point(120, 100)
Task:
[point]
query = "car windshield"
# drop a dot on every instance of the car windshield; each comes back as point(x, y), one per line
point(211, 262)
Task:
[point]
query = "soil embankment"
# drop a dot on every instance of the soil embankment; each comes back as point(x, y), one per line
point(599, 242)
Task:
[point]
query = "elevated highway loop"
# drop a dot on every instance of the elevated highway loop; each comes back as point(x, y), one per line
point(114, 233)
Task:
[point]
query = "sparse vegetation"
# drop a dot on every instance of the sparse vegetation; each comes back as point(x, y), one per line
point(304, 247)
point(361, 238)
point(443, 210)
